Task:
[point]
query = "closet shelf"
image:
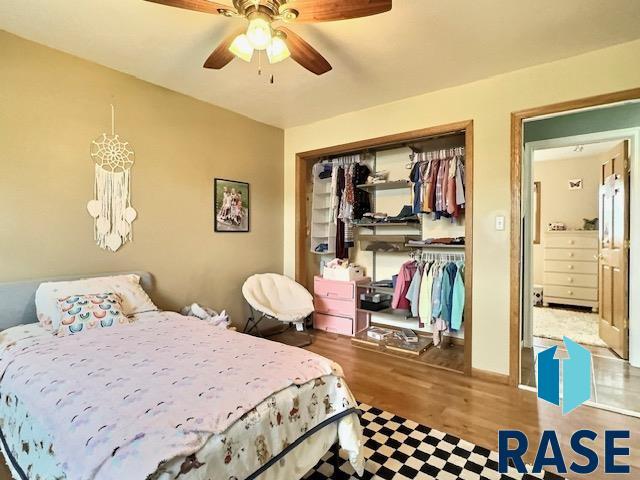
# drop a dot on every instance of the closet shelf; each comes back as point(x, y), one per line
point(385, 243)
point(392, 185)
point(374, 287)
point(436, 246)
point(373, 226)
point(394, 312)
point(393, 343)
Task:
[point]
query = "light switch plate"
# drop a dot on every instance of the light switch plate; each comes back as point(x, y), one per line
point(500, 223)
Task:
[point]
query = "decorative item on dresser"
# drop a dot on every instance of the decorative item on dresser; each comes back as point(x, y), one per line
point(336, 306)
point(571, 268)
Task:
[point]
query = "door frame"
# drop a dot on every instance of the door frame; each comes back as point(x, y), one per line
point(516, 277)
point(301, 195)
point(631, 134)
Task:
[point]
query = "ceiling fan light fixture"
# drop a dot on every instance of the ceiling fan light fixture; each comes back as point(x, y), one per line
point(277, 50)
point(259, 31)
point(242, 48)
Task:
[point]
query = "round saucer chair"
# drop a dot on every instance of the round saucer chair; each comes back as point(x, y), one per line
point(276, 297)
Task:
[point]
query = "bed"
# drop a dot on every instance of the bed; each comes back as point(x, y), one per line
point(164, 397)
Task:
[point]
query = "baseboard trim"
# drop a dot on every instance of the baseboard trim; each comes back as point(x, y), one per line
point(488, 376)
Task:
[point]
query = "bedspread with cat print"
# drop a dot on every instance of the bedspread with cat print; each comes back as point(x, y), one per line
point(122, 403)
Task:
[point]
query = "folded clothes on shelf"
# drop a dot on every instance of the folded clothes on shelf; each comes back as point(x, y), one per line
point(375, 215)
point(406, 215)
point(438, 241)
point(323, 247)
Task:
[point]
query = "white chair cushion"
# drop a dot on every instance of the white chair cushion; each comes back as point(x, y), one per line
point(278, 296)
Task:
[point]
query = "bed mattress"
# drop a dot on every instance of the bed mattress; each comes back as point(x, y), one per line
point(250, 442)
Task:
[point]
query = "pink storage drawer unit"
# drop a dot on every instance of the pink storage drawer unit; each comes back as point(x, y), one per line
point(336, 307)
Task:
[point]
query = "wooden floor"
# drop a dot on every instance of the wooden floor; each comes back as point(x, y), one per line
point(468, 408)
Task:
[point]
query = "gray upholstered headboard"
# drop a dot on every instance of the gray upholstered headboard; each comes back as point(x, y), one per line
point(17, 299)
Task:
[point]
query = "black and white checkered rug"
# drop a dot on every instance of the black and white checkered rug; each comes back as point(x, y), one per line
point(399, 449)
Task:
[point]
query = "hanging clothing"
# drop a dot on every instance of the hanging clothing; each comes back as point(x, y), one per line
point(438, 329)
point(436, 291)
point(442, 184)
point(460, 185)
point(452, 206)
point(413, 294)
point(416, 177)
point(362, 199)
point(449, 272)
point(424, 302)
point(348, 199)
point(341, 249)
point(407, 271)
point(458, 299)
point(334, 200)
point(425, 173)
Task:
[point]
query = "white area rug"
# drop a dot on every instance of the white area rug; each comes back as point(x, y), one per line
point(554, 323)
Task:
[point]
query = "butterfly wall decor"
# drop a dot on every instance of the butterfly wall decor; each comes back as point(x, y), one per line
point(575, 184)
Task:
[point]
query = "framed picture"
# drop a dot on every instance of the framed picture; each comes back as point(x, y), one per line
point(231, 205)
point(575, 184)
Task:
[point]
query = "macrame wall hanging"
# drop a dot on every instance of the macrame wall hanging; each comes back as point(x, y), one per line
point(111, 205)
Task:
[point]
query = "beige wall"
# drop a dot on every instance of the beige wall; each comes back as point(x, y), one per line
point(489, 103)
point(52, 105)
point(559, 204)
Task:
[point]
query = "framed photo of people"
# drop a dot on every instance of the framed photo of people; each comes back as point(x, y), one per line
point(231, 205)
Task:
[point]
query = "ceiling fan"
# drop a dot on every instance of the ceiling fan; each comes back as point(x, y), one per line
point(279, 42)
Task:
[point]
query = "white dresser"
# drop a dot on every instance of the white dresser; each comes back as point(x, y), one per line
point(571, 268)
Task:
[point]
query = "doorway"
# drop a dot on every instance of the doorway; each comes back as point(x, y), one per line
point(575, 264)
point(578, 257)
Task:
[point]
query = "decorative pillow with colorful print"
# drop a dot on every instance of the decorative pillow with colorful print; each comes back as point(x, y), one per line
point(86, 312)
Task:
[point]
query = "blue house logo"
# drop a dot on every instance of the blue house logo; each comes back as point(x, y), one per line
point(576, 376)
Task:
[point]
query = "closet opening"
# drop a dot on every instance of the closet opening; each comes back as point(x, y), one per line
point(410, 243)
point(577, 172)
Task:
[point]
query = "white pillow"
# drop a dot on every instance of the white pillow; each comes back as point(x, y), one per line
point(134, 298)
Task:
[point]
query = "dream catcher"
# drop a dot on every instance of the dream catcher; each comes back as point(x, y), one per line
point(111, 205)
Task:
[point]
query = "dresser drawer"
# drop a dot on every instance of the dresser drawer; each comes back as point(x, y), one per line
point(333, 306)
point(559, 266)
point(333, 289)
point(581, 255)
point(578, 293)
point(571, 280)
point(569, 241)
point(333, 324)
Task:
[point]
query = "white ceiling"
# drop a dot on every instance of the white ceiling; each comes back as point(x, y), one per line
point(565, 153)
point(420, 46)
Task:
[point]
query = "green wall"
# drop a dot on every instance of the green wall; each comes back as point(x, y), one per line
point(600, 120)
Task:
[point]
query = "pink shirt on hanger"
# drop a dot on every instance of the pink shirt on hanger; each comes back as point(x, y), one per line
point(407, 271)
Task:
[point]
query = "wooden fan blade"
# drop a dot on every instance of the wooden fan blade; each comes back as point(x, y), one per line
point(221, 56)
point(330, 10)
point(198, 5)
point(305, 54)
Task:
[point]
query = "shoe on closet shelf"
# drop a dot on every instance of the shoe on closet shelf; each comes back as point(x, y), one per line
point(405, 215)
point(323, 247)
